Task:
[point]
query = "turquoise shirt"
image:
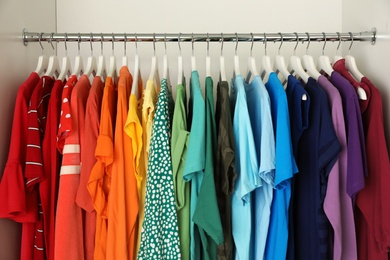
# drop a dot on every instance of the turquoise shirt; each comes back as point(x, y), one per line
point(286, 167)
point(195, 163)
point(247, 172)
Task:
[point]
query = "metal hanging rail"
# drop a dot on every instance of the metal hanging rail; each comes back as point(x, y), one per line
point(197, 37)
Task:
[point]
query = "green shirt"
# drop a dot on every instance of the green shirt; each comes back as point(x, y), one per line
point(179, 143)
point(160, 234)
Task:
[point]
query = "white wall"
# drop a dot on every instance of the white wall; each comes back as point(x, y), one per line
point(372, 60)
point(201, 16)
point(16, 62)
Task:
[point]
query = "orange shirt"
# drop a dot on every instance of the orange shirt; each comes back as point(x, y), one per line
point(69, 243)
point(99, 180)
point(123, 199)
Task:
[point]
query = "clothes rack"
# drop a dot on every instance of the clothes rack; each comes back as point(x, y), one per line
point(197, 37)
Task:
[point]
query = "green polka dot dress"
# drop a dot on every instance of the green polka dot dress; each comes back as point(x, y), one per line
point(160, 234)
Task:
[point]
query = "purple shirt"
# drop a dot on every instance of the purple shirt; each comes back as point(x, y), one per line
point(356, 151)
point(337, 204)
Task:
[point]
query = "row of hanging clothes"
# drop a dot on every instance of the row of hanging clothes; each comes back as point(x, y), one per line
point(283, 163)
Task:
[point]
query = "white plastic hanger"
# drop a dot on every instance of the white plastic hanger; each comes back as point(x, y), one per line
point(165, 63)
point(124, 58)
point(350, 64)
point(266, 63)
point(180, 72)
point(324, 64)
point(280, 64)
point(193, 59)
point(295, 64)
point(53, 69)
point(91, 62)
point(252, 69)
point(337, 57)
point(222, 73)
point(308, 61)
point(66, 69)
point(78, 64)
point(43, 60)
point(236, 60)
point(154, 75)
point(208, 60)
point(101, 63)
point(112, 63)
point(137, 70)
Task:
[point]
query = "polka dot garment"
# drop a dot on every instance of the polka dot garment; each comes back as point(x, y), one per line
point(160, 234)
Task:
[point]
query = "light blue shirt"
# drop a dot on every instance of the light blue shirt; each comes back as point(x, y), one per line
point(195, 162)
point(276, 247)
point(259, 108)
point(247, 173)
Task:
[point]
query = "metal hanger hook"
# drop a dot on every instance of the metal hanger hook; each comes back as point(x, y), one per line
point(192, 42)
point(124, 45)
point(40, 42)
point(338, 46)
point(165, 43)
point(66, 46)
point(208, 44)
point(178, 42)
point(296, 45)
point(136, 43)
point(253, 38)
point(236, 44)
point(323, 47)
point(51, 40)
point(281, 42)
point(265, 44)
point(350, 46)
point(78, 44)
point(308, 43)
point(154, 44)
point(221, 44)
point(101, 43)
point(112, 43)
point(90, 43)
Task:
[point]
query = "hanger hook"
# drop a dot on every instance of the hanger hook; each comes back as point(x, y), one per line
point(101, 43)
point(296, 45)
point(208, 44)
point(90, 43)
point(308, 43)
point(51, 40)
point(78, 43)
point(221, 44)
point(236, 44)
point(124, 44)
point(66, 47)
point(165, 43)
point(265, 44)
point(40, 42)
point(112, 43)
point(154, 43)
point(253, 38)
point(323, 47)
point(281, 42)
point(192, 42)
point(350, 46)
point(136, 43)
point(338, 46)
point(178, 42)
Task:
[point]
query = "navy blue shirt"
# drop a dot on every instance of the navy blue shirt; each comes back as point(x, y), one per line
point(299, 121)
point(318, 151)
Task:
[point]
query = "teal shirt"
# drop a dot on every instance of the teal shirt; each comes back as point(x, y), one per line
point(206, 216)
point(194, 168)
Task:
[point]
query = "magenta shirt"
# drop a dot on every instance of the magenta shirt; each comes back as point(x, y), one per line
point(338, 204)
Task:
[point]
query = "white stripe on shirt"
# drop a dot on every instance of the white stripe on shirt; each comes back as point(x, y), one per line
point(70, 169)
point(71, 148)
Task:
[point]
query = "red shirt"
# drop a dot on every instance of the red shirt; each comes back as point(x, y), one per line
point(12, 186)
point(48, 187)
point(373, 211)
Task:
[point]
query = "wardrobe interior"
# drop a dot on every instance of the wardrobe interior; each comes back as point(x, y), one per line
point(175, 16)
